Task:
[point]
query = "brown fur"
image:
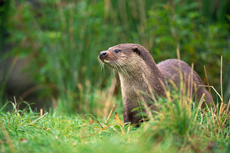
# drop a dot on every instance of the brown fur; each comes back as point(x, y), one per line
point(132, 61)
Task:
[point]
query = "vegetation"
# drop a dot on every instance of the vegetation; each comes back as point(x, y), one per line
point(174, 128)
point(61, 40)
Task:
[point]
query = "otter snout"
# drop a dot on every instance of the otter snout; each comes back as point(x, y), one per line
point(107, 57)
point(103, 55)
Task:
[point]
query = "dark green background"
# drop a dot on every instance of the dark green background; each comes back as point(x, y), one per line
point(62, 39)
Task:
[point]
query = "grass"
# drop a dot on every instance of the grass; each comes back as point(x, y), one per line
point(174, 128)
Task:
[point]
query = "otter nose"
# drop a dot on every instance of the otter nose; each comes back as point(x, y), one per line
point(103, 54)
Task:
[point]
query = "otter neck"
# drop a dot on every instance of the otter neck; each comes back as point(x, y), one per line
point(134, 79)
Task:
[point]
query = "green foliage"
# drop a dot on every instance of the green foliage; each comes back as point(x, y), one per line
point(215, 10)
point(3, 19)
point(199, 42)
point(63, 40)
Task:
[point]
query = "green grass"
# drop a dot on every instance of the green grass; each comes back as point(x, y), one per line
point(174, 128)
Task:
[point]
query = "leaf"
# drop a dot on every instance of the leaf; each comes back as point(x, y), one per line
point(104, 128)
point(118, 120)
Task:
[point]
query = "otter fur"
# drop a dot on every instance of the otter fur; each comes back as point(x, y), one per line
point(137, 71)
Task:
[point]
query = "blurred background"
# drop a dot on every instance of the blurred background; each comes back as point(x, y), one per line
point(49, 49)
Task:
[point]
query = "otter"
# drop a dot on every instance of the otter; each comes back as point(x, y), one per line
point(137, 71)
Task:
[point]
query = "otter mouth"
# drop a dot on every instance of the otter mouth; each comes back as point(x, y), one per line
point(107, 62)
point(103, 60)
point(112, 64)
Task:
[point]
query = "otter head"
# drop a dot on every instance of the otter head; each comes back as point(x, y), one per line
point(126, 57)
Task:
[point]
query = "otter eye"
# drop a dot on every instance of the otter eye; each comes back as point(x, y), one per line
point(117, 50)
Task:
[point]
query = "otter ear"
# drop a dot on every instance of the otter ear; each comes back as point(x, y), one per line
point(136, 50)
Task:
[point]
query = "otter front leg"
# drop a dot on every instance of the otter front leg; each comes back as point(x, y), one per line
point(127, 116)
point(130, 116)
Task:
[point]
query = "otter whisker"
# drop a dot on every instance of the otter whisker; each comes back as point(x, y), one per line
point(101, 64)
point(122, 69)
point(125, 71)
point(116, 66)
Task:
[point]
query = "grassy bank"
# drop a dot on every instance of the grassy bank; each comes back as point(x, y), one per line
point(174, 128)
